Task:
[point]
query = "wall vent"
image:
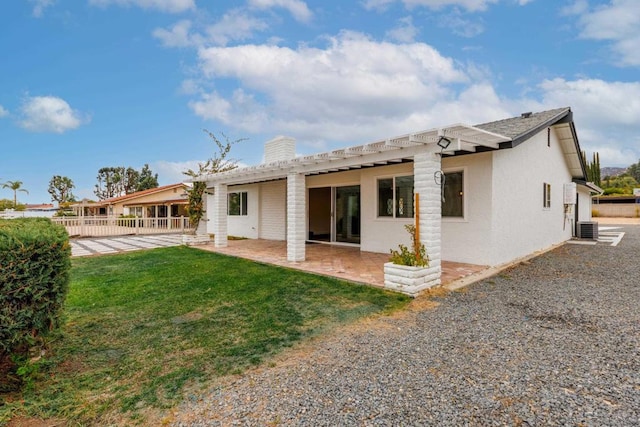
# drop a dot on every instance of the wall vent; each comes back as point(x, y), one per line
point(587, 230)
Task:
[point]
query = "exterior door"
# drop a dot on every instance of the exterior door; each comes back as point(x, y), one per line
point(334, 214)
point(347, 214)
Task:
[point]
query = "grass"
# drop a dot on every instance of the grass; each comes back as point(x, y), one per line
point(144, 328)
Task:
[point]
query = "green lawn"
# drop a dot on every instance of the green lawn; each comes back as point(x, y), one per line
point(143, 327)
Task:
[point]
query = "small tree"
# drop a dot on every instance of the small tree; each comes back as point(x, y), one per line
point(15, 186)
point(634, 171)
point(147, 179)
point(60, 189)
point(216, 164)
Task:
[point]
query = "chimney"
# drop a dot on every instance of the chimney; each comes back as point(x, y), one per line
point(526, 115)
point(280, 148)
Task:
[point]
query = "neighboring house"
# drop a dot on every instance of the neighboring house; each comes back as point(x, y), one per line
point(46, 210)
point(488, 194)
point(159, 202)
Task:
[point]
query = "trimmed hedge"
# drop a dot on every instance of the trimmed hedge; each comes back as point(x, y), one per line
point(35, 261)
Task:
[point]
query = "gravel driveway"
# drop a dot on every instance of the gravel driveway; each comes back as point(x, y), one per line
point(554, 341)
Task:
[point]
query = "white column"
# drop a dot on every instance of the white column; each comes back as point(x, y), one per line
point(220, 215)
point(425, 165)
point(296, 224)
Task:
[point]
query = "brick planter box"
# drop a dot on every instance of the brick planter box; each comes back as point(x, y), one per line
point(410, 280)
point(195, 239)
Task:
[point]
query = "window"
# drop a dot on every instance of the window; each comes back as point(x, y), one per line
point(395, 197)
point(546, 195)
point(453, 193)
point(237, 203)
point(136, 210)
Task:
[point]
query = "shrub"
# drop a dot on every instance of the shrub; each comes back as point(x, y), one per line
point(34, 280)
point(417, 257)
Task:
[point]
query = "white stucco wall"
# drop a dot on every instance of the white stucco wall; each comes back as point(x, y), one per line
point(377, 234)
point(466, 239)
point(584, 204)
point(520, 223)
point(381, 234)
point(273, 210)
point(245, 225)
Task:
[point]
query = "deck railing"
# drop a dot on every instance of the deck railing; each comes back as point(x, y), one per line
point(94, 226)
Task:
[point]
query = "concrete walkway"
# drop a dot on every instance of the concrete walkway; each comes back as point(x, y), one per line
point(112, 245)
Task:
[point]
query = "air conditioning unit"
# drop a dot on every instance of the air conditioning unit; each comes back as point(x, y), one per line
point(587, 230)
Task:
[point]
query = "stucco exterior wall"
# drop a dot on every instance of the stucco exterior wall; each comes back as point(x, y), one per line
point(467, 239)
point(584, 204)
point(159, 198)
point(377, 234)
point(520, 223)
point(245, 225)
point(381, 234)
point(273, 210)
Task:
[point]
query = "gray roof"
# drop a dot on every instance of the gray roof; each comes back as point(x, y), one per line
point(526, 125)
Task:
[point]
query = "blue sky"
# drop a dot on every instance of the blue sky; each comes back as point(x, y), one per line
point(91, 83)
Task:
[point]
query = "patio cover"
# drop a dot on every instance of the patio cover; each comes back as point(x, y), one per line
point(393, 150)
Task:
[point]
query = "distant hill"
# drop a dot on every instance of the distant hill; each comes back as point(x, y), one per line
point(612, 171)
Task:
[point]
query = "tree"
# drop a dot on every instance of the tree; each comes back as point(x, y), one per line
point(15, 186)
point(60, 189)
point(217, 164)
point(129, 178)
point(147, 179)
point(108, 185)
point(118, 181)
point(593, 168)
point(634, 171)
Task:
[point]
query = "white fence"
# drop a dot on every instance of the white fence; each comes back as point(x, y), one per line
point(93, 226)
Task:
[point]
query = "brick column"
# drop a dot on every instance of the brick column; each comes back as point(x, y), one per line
point(296, 224)
point(424, 167)
point(219, 215)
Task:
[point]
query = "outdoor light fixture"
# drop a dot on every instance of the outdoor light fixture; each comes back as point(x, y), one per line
point(444, 142)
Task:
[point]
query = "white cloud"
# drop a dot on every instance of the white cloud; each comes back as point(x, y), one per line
point(405, 32)
point(469, 5)
point(606, 115)
point(617, 22)
point(460, 26)
point(176, 36)
point(170, 6)
point(353, 88)
point(172, 172)
point(297, 8)
point(234, 25)
point(379, 5)
point(49, 114)
point(578, 7)
point(3, 112)
point(39, 6)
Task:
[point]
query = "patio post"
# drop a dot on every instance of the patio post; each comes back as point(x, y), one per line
point(296, 224)
point(220, 215)
point(425, 165)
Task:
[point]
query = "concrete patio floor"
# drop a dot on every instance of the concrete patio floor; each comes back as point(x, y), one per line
point(344, 262)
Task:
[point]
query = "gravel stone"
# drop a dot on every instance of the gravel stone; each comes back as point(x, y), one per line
point(553, 341)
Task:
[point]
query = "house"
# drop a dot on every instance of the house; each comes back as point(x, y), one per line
point(486, 194)
point(160, 202)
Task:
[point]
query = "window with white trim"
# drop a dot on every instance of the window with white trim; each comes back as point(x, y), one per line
point(546, 195)
point(395, 197)
point(237, 203)
point(453, 193)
